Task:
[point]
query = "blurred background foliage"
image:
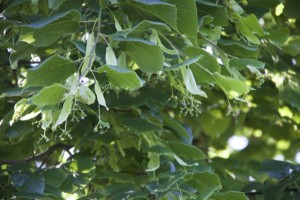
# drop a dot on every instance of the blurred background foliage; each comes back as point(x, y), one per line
point(143, 147)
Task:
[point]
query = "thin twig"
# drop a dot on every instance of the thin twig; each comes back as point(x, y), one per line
point(39, 156)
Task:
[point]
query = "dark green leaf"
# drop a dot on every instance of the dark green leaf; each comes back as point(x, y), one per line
point(29, 183)
point(147, 55)
point(63, 23)
point(186, 151)
point(140, 125)
point(154, 10)
point(55, 69)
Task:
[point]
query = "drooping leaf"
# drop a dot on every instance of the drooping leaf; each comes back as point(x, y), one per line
point(65, 111)
point(147, 55)
point(85, 95)
point(62, 23)
point(121, 78)
point(55, 69)
point(190, 82)
point(50, 95)
point(110, 57)
point(99, 94)
point(90, 54)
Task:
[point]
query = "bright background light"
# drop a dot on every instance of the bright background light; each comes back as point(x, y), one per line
point(238, 143)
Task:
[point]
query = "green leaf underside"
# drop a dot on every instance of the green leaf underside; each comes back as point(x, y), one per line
point(50, 95)
point(55, 69)
point(121, 78)
point(230, 86)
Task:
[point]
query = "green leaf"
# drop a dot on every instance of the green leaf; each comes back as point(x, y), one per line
point(153, 10)
point(264, 3)
point(279, 36)
point(190, 82)
point(145, 25)
point(239, 49)
point(184, 63)
point(85, 95)
point(90, 55)
point(243, 63)
point(292, 45)
point(218, 12)
point(55, 69)
point(65, 112)
point(63, 23)
point(140, 125)
point(203, 68)
point(250, 28)
point(29, 183)
point(121, 78)
point(206, 184)
point(230, 196)
point(147, 55)
point(186, 151)
point(18, 130)
point(153, 163)
point(110, 57)
point(208, 121)
point(99, 94)
point(176, 127)
point(187, 19)
point(82, 165)
point(231, 87)
point(173, 178)
point(22, 51)
point(50, 95)
point(54, 4)
point(277, 169)
point(55, 177)
point(291, 9)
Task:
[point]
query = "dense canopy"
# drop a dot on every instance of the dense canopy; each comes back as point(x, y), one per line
point(150, 99)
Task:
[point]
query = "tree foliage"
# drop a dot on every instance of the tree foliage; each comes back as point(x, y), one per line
point(139, 99)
